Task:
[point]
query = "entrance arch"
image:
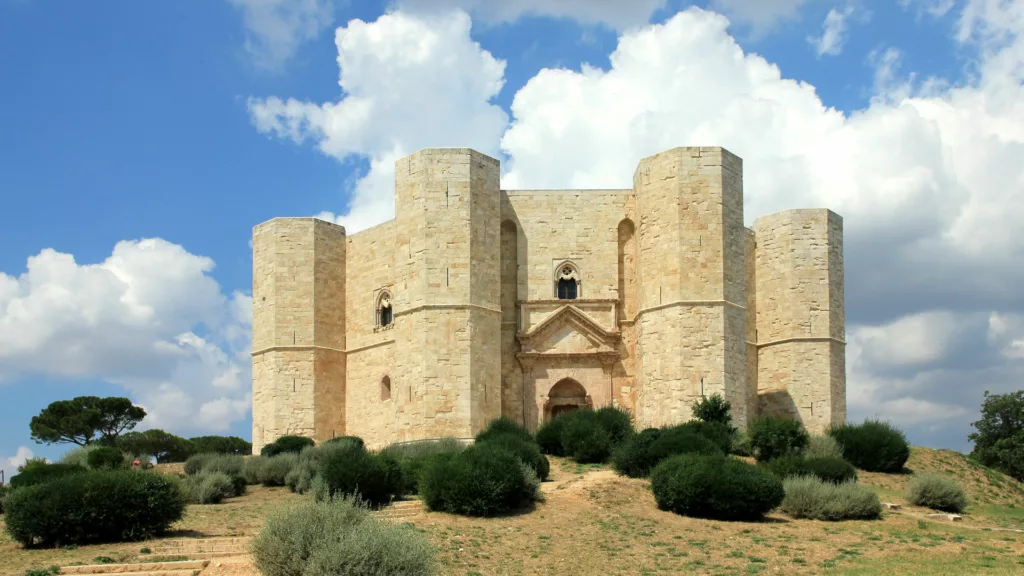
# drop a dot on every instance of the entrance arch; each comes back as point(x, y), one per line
point(565, 396)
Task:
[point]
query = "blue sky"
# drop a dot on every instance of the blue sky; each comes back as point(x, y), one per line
point(142, 142)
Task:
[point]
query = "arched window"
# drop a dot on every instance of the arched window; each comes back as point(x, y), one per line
point(385, 388)
point(567, 281)
point(385, 313)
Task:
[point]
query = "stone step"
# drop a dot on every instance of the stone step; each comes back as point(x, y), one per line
point(186, 546)
point(199, 555)
point(184, 567)
point(219, 540)
point(156, 573)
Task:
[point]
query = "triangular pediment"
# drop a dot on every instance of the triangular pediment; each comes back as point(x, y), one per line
point(569, 331)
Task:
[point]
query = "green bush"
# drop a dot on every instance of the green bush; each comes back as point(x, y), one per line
point(275, 469)
point(823, 447)
point(300, 478)
point(79, 456)
point(741, 444)
point(338, 537)
point(284, 444)
point(618, 423)
point(831, 469)
point(549, 436)
point(874, 446)
point(345, 439)
point(227, 463)
point(772, 437)
point(37, 472)
point(252, 469)
point(584, 439)
point(482, 480)
point(937, 492)
point(638, 455)
point(94, 507)
point(787, 466)
point(350, 469)
point(633, 457)
point(714, 409)
point(504, 427)
point(716, 487)
point(209, 487)
point(809, 497)
point(721, 435)
point(524, 449)
point(412, 457)
point(105, 457)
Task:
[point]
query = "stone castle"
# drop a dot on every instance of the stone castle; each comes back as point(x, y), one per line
point(477, 302)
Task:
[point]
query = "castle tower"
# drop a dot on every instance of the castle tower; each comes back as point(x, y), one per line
point(447, 293)
point(298, 359)
point(691, 321)
point(801, 363)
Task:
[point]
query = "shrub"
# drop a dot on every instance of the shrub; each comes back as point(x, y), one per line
point(94, 507)
point(938, 492)
point(482, 480)
point(549, 436)
point(79, 456)
point(209, 487)
point(823, 447)
point(716, 487)
point(252, 469)
point(584, 439)
point(338, 537)
point(787, 466)
point(238, 485)
point(772, 437)
point(350, 469)
point(741, 444)
point(343, 439)
point(809, 497)
point(412, 457)
point(617, 422)
point(37, 472)
point(632, 458)
point(196, 463)
point(503, 427)
point(286, 444)
point(300, 478)
point(228, 464)
point(637, 456)
point(874, 446)
point(276, 468)
point(721, 435)
point(831, 469)
point(105, 457)
point(713, 409)
point(526, 450)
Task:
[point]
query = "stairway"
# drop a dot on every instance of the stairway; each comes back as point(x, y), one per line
point(199, 551)
point(196, 548)
point(185, 568)
point(401, 510)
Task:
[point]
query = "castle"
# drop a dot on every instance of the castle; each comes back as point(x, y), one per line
point(477, 302)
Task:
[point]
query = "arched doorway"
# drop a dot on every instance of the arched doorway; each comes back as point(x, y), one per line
point(565, 396)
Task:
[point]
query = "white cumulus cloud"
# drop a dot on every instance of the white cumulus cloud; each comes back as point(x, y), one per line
point(276, 28)
point(10, 465)
point(833, 34)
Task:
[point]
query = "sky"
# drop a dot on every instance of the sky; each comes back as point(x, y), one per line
point(141, 142)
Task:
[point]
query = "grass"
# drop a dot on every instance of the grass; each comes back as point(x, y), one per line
point(594, 522)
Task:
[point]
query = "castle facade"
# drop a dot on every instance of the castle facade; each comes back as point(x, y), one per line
point(477, 302)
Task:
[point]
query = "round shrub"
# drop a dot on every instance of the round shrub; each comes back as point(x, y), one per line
point(412, 456)
point(584, 440)
point(229, 464)
point(809, 497)
point(721, 435)
point(831, 469)
point(482, 480)
point(276, 468)
point(350, 469)
point(43, 472)
point(772, 437)
point(502, 427)
point(338, 537)
point(823, 447)
point(342, 439)
point(937, 492)
point(105, 457)
point(874, 446)
point(741, 444)
point(197, 462)
point(680, 440)
point(549, 436)
point(525, 450)
point(94, 507)
point(617, 422)
point(286, 444)
point(787, 466)
point(633, 457)
point(716, 487)
point(209, 487)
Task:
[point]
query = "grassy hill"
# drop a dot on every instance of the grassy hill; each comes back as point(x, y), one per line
point(595, 522)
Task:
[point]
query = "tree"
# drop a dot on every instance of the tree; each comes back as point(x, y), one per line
point(84, 419)
point(999, 441)
point(164, 446)
point(713, 409)
point(222, 445)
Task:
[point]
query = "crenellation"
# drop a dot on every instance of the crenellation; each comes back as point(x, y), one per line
point(528, 303)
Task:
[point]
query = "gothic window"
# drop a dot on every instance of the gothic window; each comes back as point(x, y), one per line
point(385, 388)
point(567, 282)
point(385, 313)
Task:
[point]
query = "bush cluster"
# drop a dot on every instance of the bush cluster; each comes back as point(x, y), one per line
point(874, 446)
point(338, 536)
point(823, 447)
point(937, 492)
point(209, 487)
point(349, 469)
point(809, 497)
point(639, 454)
point(94, 507)
point(520, 445)
point(716, 487)
point(482, 480)
point(105, 458)
point(586, 436)
point(209, 462)
point(284, 444)
point(773, 437)
point(413, 456)
point(40, 472)
point(826, 469)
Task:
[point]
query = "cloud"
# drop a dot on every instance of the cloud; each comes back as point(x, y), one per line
point(762, 16)
point(612, 13)
point(927, 176)
point(10, 465)
point(833, 29)
point(408, 83)
point(276, 28)
point(135, 320)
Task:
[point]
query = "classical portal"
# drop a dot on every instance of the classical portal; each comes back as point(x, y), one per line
point(477, 302)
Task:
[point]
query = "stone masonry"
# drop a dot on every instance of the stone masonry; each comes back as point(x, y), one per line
point(477, 302)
